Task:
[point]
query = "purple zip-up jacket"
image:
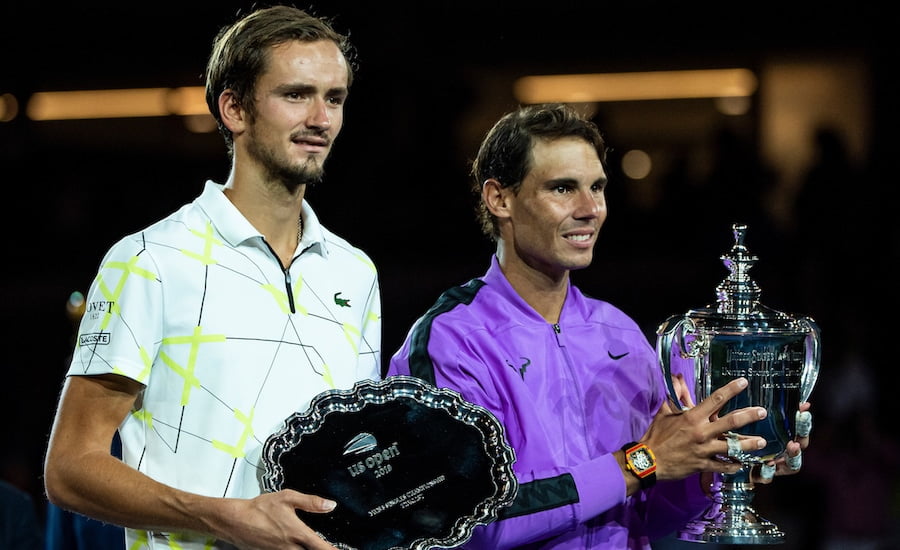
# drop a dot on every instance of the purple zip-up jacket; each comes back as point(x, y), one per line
point(568, 395)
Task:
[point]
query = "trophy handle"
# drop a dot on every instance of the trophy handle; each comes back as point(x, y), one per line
point(813, 356)
point(669, 332)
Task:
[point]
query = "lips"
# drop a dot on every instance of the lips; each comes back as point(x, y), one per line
point(311, 144)
point(314, 141)
point(311, 141)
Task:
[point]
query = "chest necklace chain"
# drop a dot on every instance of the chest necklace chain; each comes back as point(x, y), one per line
point(299, 229)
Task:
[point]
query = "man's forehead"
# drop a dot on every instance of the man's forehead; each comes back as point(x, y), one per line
point(307, 57)
point(546, 153)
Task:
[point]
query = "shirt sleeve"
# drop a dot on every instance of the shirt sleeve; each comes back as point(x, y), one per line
point(122, 326)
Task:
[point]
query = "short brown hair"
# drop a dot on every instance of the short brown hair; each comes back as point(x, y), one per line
point(240, 53)
point(505, 152)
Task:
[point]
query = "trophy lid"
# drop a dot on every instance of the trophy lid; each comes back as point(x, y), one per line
point(737, 296)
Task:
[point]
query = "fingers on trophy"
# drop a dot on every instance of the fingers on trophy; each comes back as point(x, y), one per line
point(803, 423)
point(779, 355)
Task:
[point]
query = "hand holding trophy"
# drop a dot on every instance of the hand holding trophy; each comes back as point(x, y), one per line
point(778, 354)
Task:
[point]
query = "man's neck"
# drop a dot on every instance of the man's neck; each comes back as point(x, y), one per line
point(272, 211)
point(544, 293)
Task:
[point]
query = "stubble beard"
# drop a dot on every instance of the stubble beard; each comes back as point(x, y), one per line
point(280, 171)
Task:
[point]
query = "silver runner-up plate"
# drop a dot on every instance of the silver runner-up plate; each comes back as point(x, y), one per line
point(410, 466)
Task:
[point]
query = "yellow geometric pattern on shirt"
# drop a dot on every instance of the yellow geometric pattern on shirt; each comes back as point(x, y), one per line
point(145, 358)
point(112, 295)
point(326, 376)
point(144, 416)
point(281, 297)
point(208, 242)
point(366, 261)
point(187, 372)
point(352, 335)
point(141, 541)
point(237, 451)
point(173, 539)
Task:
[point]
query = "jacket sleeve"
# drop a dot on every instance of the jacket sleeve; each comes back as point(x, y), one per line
point(671, 505)
point(549, 502)
point(571, 499)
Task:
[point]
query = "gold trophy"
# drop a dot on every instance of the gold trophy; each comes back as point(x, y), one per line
point(777, 353)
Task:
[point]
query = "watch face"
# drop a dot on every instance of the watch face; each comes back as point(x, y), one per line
point(641, 460)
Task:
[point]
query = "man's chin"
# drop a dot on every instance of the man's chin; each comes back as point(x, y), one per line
point(312, 171)
point(580, 263)
point(306, 175)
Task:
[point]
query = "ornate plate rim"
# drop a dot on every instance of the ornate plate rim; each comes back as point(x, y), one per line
point(364, 392)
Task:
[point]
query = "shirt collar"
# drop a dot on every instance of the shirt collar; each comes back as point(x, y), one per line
point(498, 280)
point(236, 229)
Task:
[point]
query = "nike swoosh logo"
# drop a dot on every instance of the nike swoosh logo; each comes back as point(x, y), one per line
point(616, 357)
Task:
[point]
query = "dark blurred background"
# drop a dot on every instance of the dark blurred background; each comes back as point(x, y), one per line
point(805, 162)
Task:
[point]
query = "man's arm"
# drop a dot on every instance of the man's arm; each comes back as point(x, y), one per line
point(81, 475)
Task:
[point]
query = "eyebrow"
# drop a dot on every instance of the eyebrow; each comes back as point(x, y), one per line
point(310, 88)
point(572, 181)
point(561, 181)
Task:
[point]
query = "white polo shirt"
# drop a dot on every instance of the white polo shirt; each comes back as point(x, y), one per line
point(199, 309)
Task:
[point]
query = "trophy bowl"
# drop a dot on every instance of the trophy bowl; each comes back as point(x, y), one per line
point(778, 354)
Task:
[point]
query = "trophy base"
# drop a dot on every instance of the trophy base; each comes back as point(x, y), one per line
point(724, 526)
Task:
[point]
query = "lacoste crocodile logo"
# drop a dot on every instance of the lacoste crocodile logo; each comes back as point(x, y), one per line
point(343, 302)
point(616, 357)
point(521, 370)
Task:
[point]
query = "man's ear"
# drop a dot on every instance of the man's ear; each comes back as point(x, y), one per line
point(495, 197)
point(233, 114)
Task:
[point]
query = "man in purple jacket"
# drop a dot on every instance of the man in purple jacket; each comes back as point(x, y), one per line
point(573, 380)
